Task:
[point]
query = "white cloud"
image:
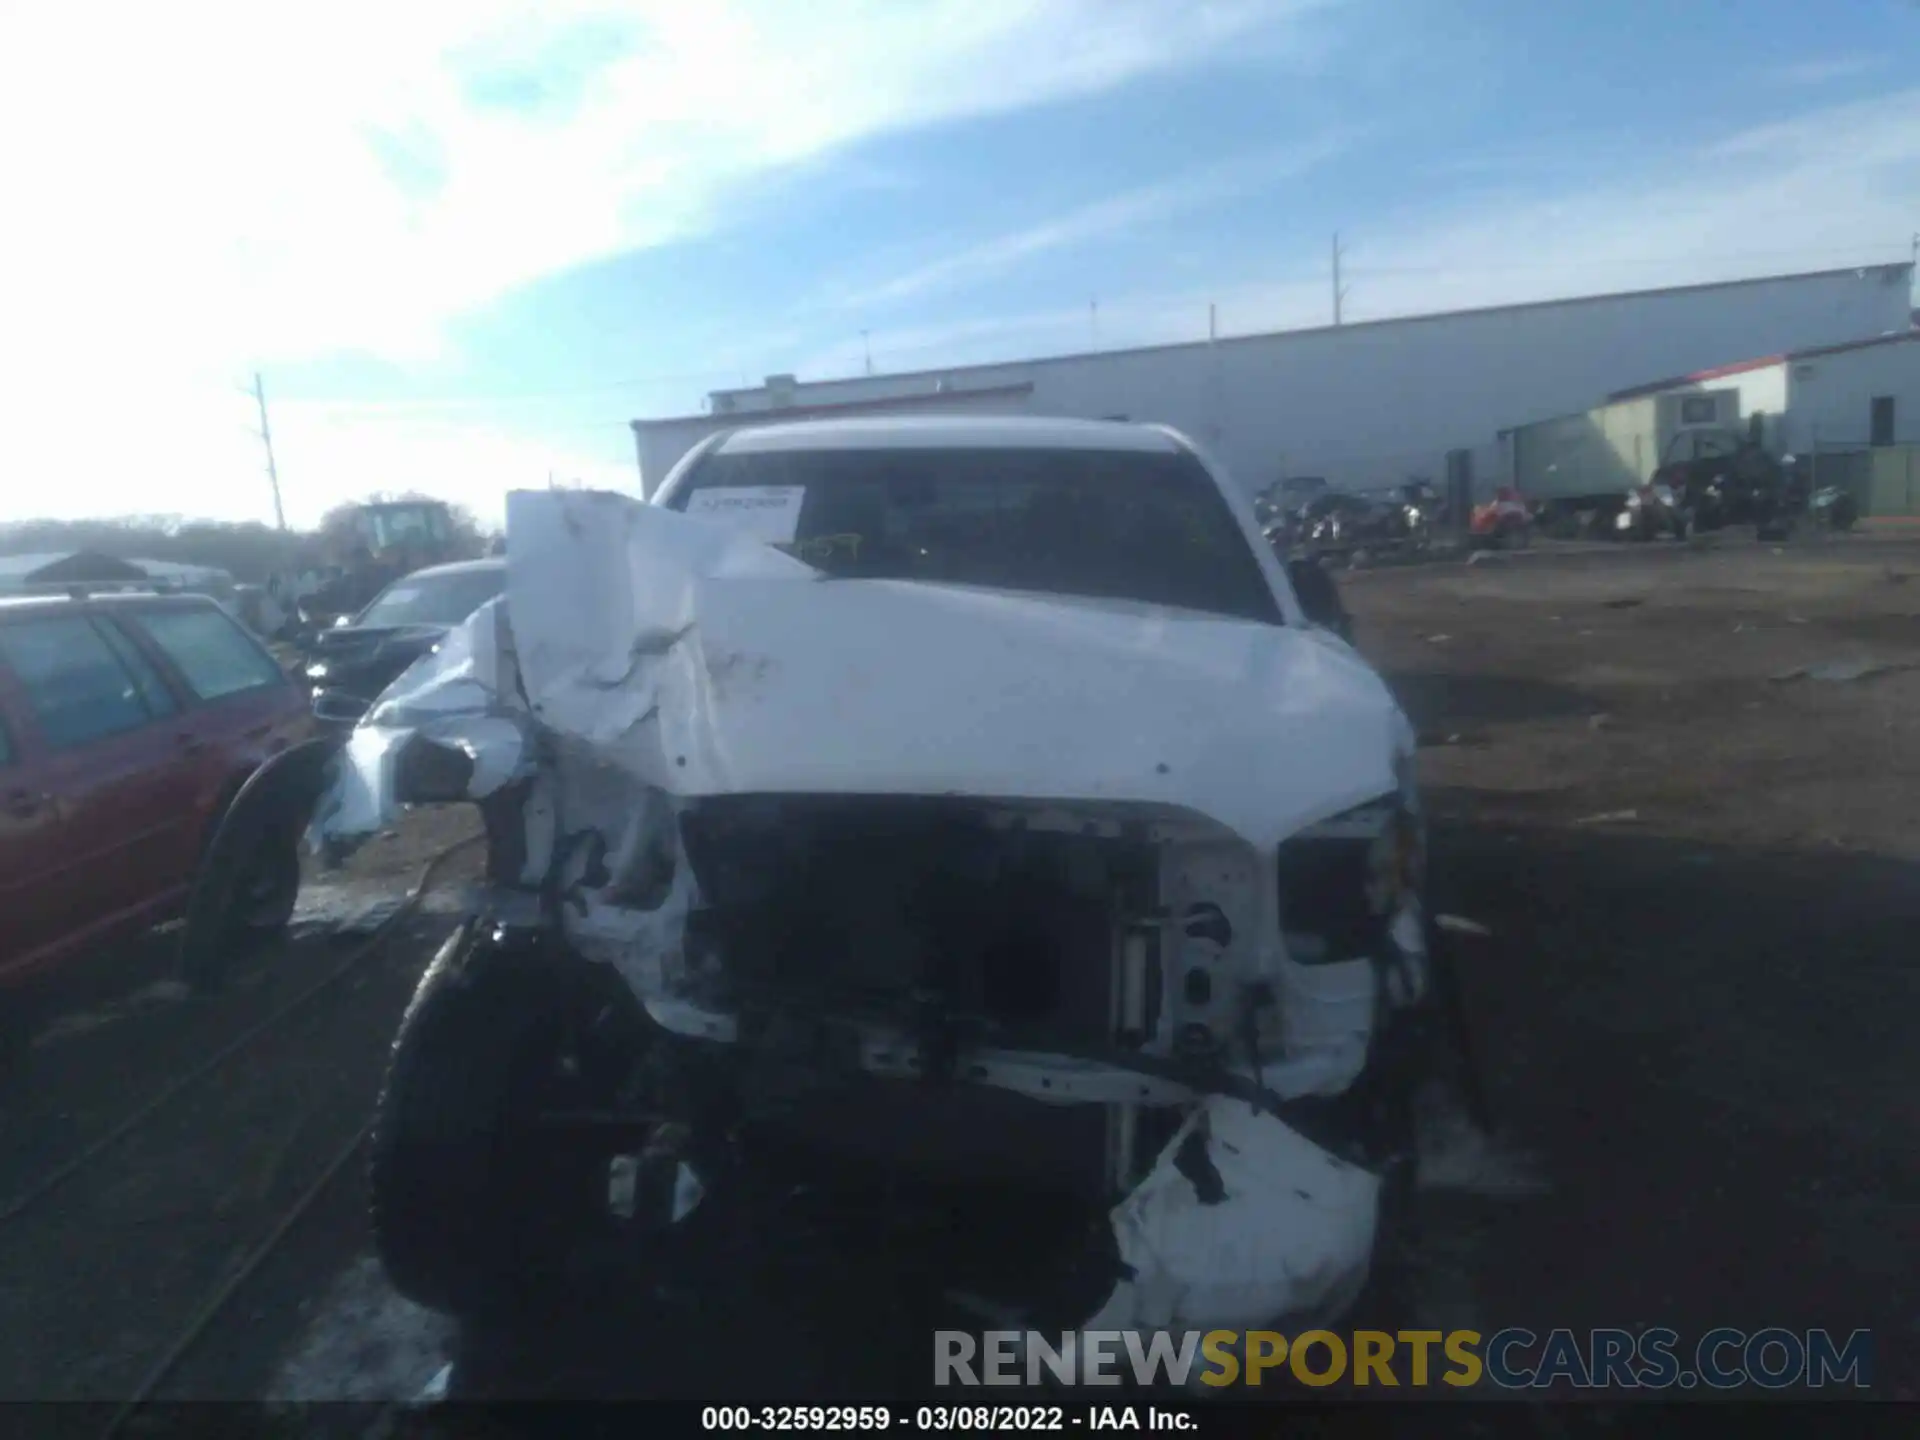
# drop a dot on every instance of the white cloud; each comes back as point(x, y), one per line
point(348, 176)
point(1827, 188)
point(1824, 72)
point(472, 463)
point(1101, 219)
point(197, 187)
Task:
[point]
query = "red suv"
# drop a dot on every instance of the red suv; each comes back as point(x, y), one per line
point(127, 724)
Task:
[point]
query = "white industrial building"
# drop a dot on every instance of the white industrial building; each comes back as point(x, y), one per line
point(1365, 404)
point(1835, 405)
point(1835, 397)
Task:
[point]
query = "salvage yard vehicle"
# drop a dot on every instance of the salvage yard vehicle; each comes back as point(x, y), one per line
point(1340, 522)
point(1652, 511)
point(385, 540)
point(950, 813)
point(1833, 507)
point(128, 723)
point(351, 663)
point(1501, 522)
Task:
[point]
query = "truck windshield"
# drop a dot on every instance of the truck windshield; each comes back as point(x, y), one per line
point(1122, 525)
point(387, 526)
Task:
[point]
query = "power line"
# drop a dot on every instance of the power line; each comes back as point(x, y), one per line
point(426, 407)
point(1852, 256)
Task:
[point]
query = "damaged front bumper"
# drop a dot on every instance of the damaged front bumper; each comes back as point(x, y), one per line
point(1208, 984)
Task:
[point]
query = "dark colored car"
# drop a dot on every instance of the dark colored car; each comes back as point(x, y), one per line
point(1339, 521)
point(127, 725)
point(349, 665)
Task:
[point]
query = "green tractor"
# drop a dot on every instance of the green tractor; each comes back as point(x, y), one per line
point(379, 542)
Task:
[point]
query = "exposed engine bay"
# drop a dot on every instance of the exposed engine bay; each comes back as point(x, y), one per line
point(1166, 993)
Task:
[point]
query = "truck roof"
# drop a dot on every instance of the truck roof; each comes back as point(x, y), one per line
point(949, 432)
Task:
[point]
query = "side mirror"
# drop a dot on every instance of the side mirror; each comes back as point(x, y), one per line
point(1319, 597)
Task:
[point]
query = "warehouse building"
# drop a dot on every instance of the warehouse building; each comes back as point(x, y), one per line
point(1850, 411)
point(1366, 404)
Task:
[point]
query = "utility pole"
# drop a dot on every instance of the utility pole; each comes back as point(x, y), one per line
point(1093, 320)
point(866, 344)
point(1213, 322)
point(1339, 290)
point(266, 439)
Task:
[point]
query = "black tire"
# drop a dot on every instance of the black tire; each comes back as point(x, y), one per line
point(249, 875)
point(19, 1019)
point(268, 889)
point(472, 1214)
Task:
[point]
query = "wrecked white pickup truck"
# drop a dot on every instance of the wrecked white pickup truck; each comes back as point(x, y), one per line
point(964, 805)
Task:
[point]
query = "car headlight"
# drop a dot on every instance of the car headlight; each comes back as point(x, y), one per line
point(1397, 859)
point(1345, 880)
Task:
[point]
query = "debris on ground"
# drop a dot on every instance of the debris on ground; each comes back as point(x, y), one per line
point(1431, 738)
point(1609, 817)
point(1623, 602)
point(65, 1027)
point(365, 1344)
point(1438, 639)
point(1461, 925)
point(1601, 721)
point(1456, 1155)
point(1843, 671)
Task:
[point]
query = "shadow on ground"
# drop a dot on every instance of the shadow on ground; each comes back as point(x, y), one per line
point(1707, 1048)
point(1441, 701)
point(1711, 1049)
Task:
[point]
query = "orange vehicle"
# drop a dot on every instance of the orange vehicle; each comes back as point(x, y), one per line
point(1502, 521)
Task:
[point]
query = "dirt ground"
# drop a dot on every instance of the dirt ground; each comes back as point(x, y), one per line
point(1697, 868)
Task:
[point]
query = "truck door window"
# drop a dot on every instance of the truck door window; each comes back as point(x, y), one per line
point(78, 688)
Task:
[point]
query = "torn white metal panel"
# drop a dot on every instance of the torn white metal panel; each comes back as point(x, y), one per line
point(1326, 1014)
point(708, 663)
point(461, 694)
point(464, 674)
point(1287, 1232)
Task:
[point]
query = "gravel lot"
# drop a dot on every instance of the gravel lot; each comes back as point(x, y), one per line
point(1697, 868)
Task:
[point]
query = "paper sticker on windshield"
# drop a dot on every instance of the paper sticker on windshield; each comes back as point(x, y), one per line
point(766, 512)
point(401, 597)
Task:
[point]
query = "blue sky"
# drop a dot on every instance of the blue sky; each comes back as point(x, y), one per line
point(467, 243)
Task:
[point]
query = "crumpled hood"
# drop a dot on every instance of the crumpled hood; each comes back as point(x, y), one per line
point(708, 663)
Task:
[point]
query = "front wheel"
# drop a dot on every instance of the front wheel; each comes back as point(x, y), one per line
point(475, 1208)
point(268, 889)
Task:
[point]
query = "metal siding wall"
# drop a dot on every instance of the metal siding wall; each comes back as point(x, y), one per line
point(1368, 405)
point(1372, 405)
point(1830, 395)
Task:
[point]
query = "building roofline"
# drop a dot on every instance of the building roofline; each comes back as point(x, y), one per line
point(1742, 367)
point(1313, 330)
point(780, 414)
